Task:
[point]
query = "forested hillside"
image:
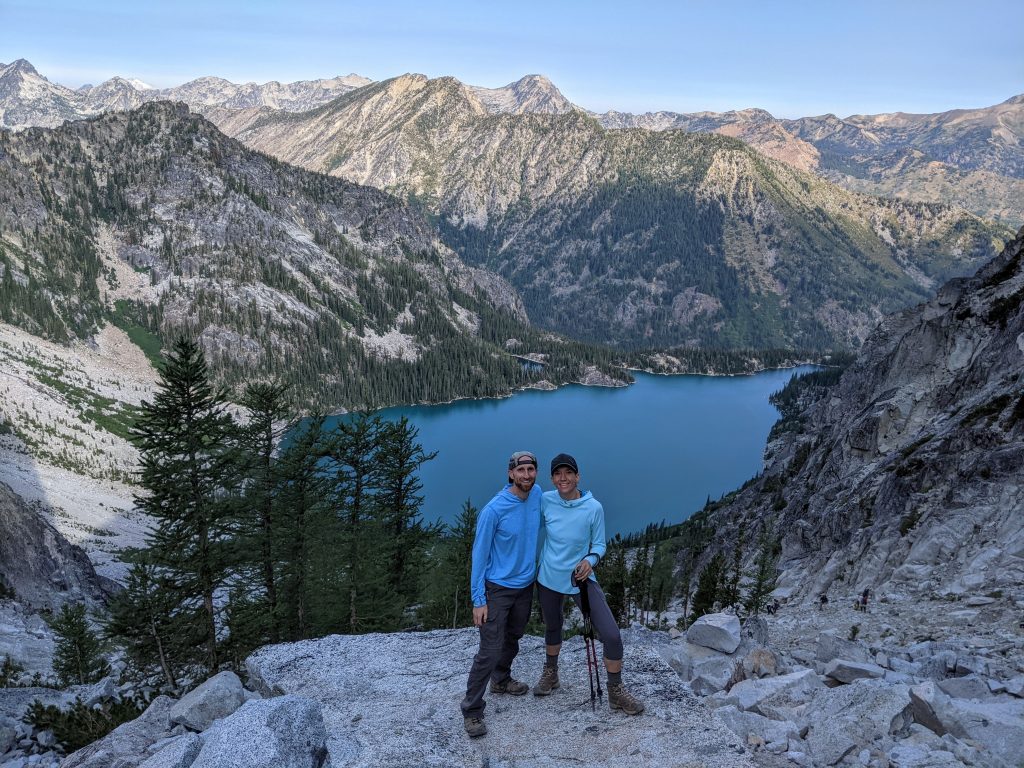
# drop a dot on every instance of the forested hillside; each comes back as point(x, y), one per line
point(642, 238)
point(156, 222)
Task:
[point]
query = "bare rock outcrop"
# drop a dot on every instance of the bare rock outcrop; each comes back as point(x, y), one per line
point(42, 568)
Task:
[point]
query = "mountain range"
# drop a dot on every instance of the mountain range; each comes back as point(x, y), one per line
point(969, 158)
point(638, 237)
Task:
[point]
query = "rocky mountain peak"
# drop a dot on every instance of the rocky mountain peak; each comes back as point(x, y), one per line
point(23, 66)
point(530, 94)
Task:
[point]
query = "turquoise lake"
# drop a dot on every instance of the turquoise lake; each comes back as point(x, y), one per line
point(652, 451)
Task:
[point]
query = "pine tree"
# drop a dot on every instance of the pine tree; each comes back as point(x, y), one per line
point(613, 578)
point(144, 618)
point(360, 577)
point(764, 575)
point(709, 585)
point(730, 595)
point(185, 440)
point(448, 602)
point(269, 410)
point(77, 655)
point(303, 523)
point(399, 502)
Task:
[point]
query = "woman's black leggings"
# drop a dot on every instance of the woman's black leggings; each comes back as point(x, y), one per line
point(600, 616)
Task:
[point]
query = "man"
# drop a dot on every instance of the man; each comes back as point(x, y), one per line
point(501, 584)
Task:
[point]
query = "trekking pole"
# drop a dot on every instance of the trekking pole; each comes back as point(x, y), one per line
point(588, 642)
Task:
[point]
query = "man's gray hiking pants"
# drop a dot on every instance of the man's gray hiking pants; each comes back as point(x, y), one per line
point(508, 610)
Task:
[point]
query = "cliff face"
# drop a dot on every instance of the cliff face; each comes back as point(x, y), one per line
point(41, 567)
point(906, 474)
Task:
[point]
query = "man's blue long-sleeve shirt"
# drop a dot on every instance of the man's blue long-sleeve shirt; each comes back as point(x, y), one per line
point(505, 547)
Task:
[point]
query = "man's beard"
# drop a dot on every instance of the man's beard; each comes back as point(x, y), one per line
point(525, 485)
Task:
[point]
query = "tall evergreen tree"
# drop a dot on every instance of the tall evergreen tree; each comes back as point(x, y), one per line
point(709, 586)
point(269, 411)
point(448, 602)
point(399, 501)
point(360, 598)
point(77, 655)
point(764, 574)
point(730, 595)
point(304, 522)
point(185, 440)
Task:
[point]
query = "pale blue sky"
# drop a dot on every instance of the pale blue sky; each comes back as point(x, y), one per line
point(791, 58)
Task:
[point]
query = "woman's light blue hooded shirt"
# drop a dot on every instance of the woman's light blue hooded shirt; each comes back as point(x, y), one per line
point(570, 530)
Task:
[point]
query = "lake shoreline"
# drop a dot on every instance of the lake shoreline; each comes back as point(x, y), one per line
point(546, 386)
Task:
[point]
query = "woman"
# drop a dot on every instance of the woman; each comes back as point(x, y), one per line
point(572, 525)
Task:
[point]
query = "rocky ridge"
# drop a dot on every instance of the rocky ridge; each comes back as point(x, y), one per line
point(970, 158)
point(784, 690)
point(641, 237)
point(28, 99)
point(903, 478)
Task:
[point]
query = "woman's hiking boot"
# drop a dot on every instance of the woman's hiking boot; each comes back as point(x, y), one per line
point(474, 726)
point(620, 698)
point(510, 686)
point(548, 681)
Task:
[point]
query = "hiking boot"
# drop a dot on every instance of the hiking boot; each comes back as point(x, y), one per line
point(548, 681)
point(510, 686)
point(620, 698)
point(474, 726)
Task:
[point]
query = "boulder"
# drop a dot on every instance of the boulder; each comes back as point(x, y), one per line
point(916, 756)
point(847, 671)
point(925, 699)
point(829, 646)
point(773, 735)
point(711, 673)
point(748, 694)
point(843, 719)
point(216, 698)
point(760, 662)
point(8, 734)
point(968, 687)
point(125, 746)
point(995, 726)
point(96, 693)
point(1015, 687)
point(179, 752)
point(283, 732)
point(719, 631)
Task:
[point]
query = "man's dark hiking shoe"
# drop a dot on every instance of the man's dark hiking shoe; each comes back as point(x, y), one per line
point(620, 698)
point(547, 683)
point(510, 686)
point(474, 726)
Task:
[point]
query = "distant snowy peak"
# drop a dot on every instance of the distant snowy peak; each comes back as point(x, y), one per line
point(29, 99)
point(532, 94)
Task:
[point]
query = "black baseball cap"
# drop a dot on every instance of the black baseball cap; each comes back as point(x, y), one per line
point(564, 460)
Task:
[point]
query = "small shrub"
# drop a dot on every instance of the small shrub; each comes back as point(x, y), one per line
point(79, 725)
point(9, 672)
point(854, 631)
